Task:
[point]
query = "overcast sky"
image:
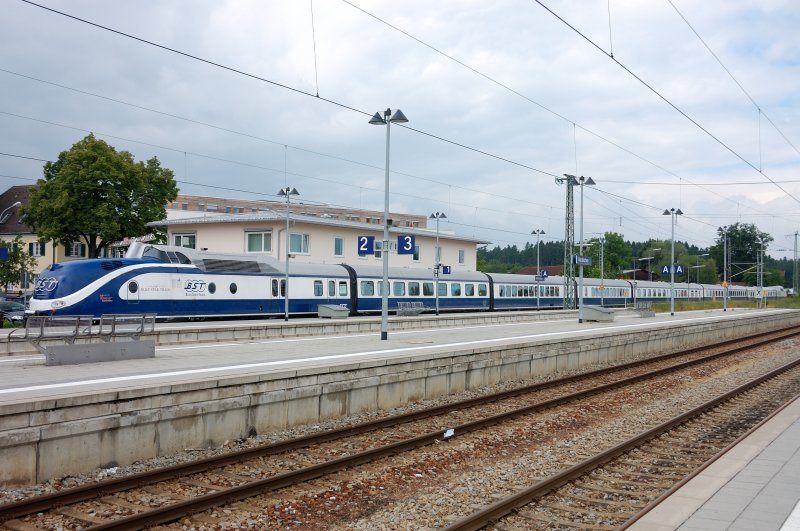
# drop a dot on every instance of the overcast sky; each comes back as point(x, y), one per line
point(502, 96)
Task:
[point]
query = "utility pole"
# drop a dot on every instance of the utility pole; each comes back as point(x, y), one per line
point(794, 277)
point(569, 242)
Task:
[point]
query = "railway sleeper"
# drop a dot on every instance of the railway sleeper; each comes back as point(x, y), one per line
point(605, 489)
point(588, 499)
point(657, 482)
point(530, 515)
point(587, 511)
point(19, 525)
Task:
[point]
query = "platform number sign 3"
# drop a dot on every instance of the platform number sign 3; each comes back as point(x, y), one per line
point(405, 244)
point(366, 245)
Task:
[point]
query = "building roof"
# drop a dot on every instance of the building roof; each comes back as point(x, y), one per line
point(11, 223)
point(271, 215)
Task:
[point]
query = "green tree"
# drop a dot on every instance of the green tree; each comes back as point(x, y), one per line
point(98, 195)
point(18, 263)
point(616, 256)
point(744, 244)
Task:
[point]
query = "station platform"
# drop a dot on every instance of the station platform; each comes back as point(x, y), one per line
point(755, 486)
point(58, 420)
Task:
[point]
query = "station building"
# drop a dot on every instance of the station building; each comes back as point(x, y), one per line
point(317, 233)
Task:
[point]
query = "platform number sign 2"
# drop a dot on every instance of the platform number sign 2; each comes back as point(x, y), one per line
point(366, 245)
point(405, 244)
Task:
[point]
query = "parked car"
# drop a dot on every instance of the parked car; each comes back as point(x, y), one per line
point(12, 312)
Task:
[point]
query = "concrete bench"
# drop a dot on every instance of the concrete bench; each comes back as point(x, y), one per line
point(410, 308)
point(644, 308)
point(598, 313)
point(333, 311)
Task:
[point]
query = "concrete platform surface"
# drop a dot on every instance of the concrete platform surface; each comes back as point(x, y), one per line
point(755, 486)
point(25, 379)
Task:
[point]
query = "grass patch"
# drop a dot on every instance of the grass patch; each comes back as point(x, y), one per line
point(685, 306)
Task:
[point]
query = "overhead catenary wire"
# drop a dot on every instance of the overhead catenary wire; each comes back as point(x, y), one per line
point(667, 101)
point(435, 136)
point(525, 97)
point(744, 91)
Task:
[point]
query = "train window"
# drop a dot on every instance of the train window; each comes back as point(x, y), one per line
point(182, 258)
point(526, 291)
point(158, 254)
point(212, 288)
point(502, 291)
point(367, 288)
point(482, 291)
point(233, 287)
point(331, 288)
point(283, 288)
point(469, 290)
point(318, 292)
point(455, 289)
point(442, 289)
point(383, 290)
point(342, 288)
point(413, 289)
point(399, 289)
point(133, 286)
point(274, 287)
point(427, 289)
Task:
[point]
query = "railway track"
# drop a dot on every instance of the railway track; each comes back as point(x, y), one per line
point(612, 488)
point(223, 479)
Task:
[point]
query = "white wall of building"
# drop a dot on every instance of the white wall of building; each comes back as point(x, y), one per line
point(232, 237)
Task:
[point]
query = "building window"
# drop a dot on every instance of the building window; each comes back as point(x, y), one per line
point(184, 206)
point(338, 246)
point(298, 243)
point(378, 247)
point(75, 249)
point(36, 248)
point(416, 253)
point(461, 256)
point(184, 240)
point(259, 242)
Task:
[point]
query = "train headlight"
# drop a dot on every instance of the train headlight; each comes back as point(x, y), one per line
point(58, 304)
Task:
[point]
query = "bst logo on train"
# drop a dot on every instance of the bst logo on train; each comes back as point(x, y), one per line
point(195, 286)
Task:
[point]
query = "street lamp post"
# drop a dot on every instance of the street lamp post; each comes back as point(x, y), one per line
point(538, 233)
point(724, 232)
point(437, 256)
point(287, 192)
point(588, 182)
point(3, 217)
point(387, 119)
point(673, 212)
point(602, 270)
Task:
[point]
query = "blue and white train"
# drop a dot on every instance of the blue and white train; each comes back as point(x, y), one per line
point(181, 283)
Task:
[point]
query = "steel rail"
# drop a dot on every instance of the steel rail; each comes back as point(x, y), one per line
point(497, 510)
point(86, 492)
point(655, 503)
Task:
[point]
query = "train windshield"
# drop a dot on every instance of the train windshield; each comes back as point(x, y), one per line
point(166, 257)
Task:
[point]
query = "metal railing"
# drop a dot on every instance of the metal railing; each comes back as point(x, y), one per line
point(68, 328)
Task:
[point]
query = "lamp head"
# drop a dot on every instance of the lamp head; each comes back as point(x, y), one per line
point(398, 117)
point(377, 119)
